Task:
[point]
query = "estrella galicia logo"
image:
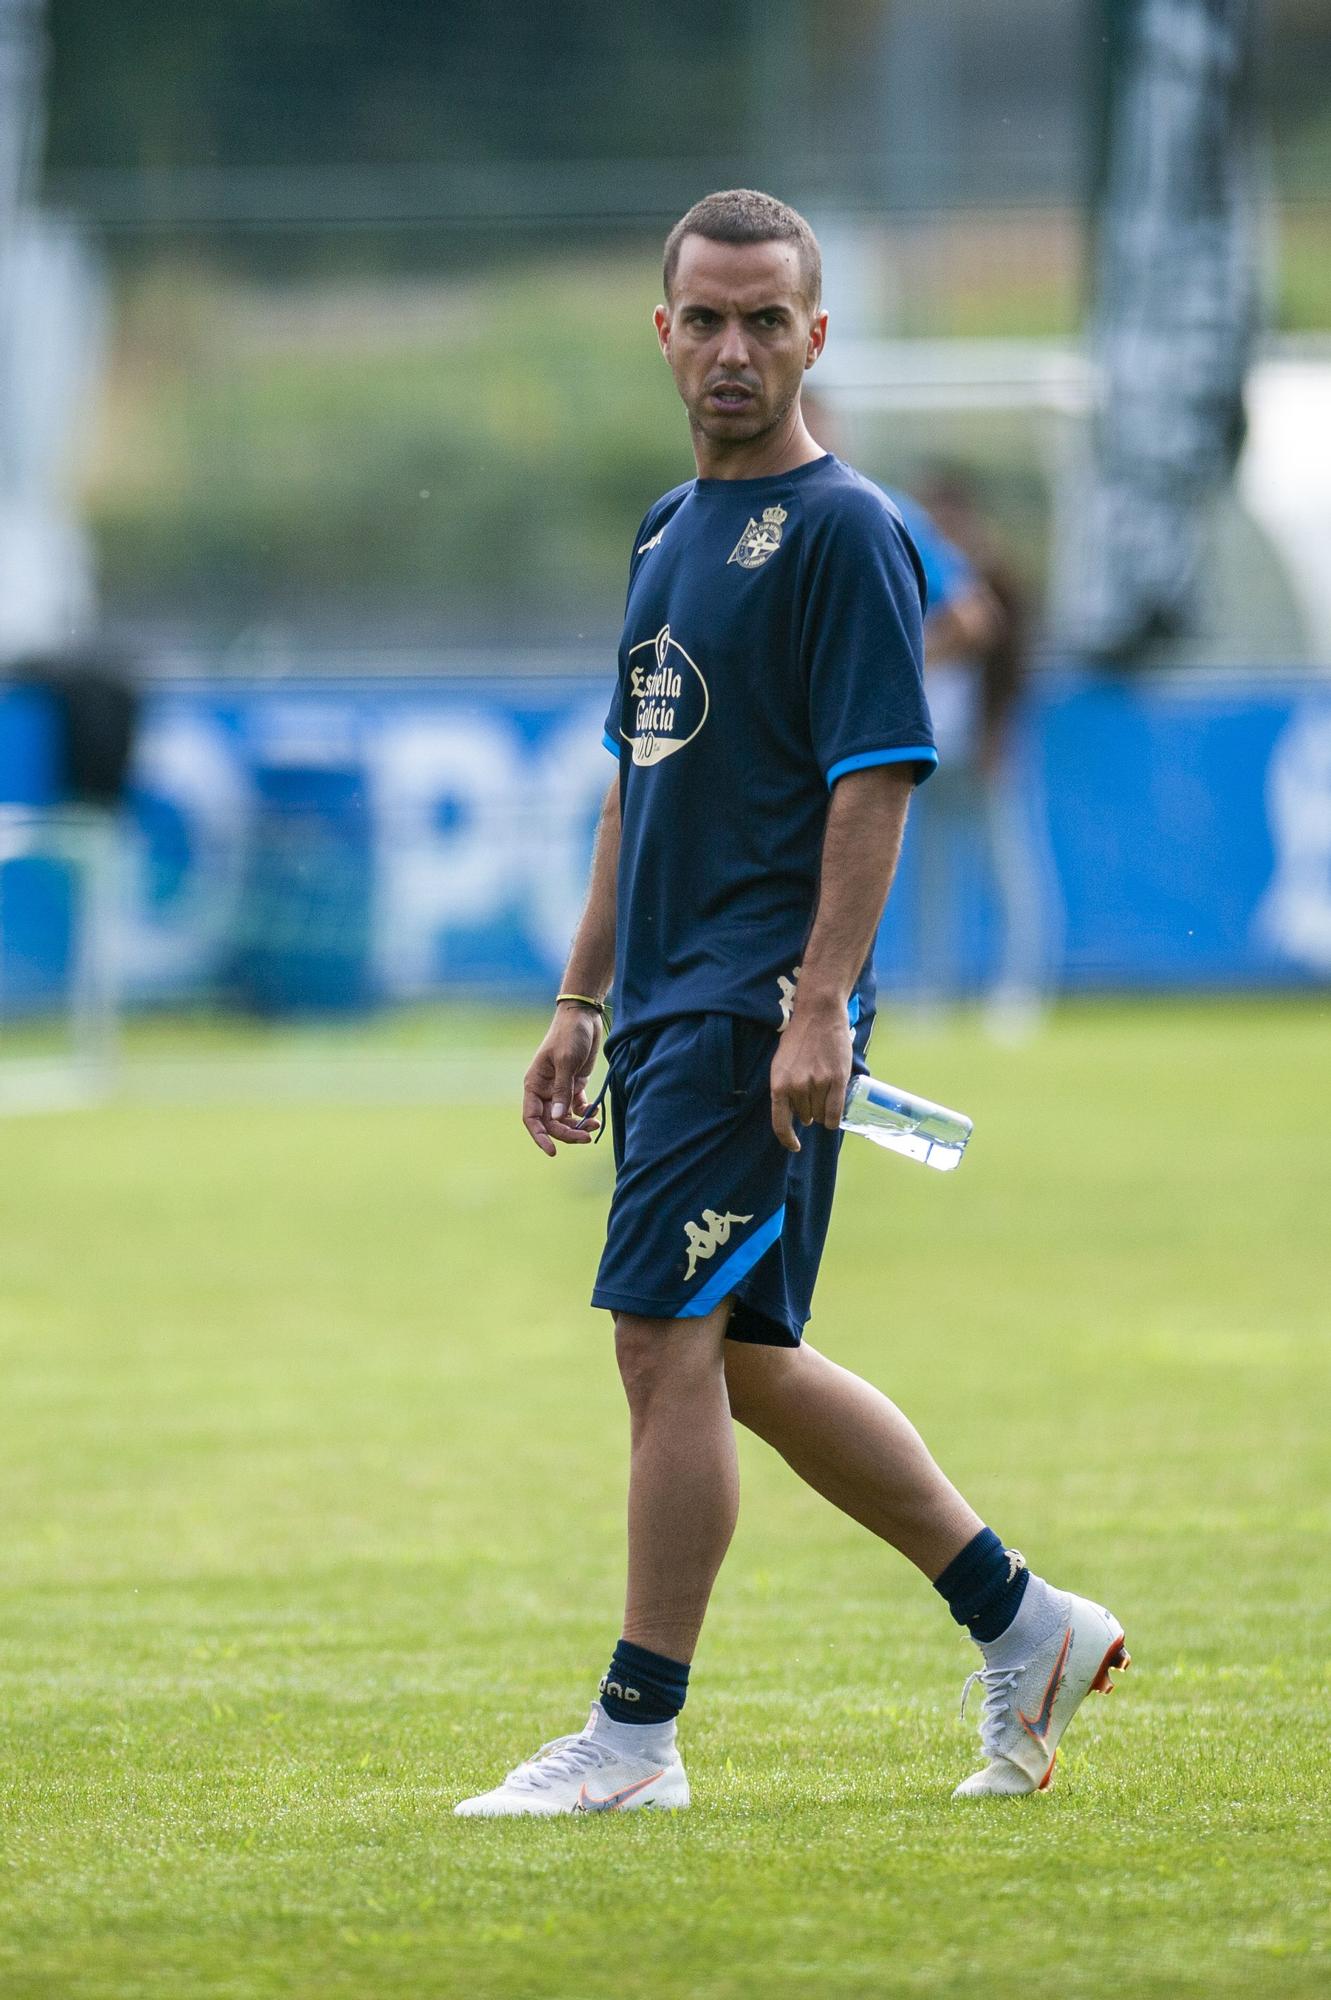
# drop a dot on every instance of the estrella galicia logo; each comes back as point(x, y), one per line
point(667, 698)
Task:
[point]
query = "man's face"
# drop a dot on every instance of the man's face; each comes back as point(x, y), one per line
point(738, 334)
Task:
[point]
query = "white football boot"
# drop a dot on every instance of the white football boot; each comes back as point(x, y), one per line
point(589, 1772)
point(1034, 1683)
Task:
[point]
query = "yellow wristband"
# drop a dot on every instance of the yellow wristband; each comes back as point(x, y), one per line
point(585, 1000)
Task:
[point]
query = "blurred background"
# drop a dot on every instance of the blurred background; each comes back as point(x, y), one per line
point(328, 407)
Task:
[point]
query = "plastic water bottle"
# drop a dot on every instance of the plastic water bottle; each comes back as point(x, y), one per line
point(906, 1124)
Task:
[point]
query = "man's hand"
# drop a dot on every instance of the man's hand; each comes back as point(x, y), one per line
point(554, 1088)
point(811, 1069)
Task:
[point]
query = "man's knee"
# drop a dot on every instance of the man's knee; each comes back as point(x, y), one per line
point(666, 1353)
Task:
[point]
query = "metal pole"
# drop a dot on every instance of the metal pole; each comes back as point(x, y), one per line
point(22, 67)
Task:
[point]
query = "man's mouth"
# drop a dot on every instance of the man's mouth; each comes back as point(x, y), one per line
point(730, 396)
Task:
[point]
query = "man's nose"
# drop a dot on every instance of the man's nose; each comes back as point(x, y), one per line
point(734, 349)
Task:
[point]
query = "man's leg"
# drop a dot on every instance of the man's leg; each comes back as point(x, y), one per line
point(1044, 1650)
point(683, 1500)
point(683, 1476)
point(852, 1445)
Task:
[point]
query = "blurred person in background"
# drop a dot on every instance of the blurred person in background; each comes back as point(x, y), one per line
point(975, 654)
point(962, 615)
point(975, 670)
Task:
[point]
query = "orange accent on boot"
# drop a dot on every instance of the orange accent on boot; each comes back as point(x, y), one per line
point(1119, 1658)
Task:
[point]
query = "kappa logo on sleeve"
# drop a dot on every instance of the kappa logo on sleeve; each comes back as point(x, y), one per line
point(706, 1240)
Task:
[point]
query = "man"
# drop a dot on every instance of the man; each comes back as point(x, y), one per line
point(769, 723)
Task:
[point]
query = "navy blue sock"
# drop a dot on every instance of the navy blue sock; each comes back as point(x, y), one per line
point(643, 1687)
point(983, 1586)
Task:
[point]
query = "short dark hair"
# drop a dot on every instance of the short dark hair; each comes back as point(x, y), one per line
point(743, 215)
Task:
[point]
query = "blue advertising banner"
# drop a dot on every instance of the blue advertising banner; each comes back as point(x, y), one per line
point(1170, 831)
point(1191, 830)
point(336, 845)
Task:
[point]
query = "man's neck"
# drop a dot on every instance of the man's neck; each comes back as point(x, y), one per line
point(765, 457)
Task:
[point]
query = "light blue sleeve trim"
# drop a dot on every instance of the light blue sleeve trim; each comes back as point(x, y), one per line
point(918, 753)
point(737, 1265)
point(610, 745)
point(853, 1010)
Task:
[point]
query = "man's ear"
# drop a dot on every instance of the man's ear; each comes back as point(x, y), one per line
point(661, 321)
point(817, 338)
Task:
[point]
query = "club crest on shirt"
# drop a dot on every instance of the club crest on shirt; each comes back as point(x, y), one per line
point(760, 540)
point(666, 699)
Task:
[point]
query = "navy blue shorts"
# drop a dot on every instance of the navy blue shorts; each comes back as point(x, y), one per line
point(708, 1203)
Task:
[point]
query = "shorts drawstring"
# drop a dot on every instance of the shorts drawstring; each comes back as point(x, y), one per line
point(599, 1100)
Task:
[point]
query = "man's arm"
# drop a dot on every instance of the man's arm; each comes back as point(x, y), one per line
point(866, 818)
point(553, 1093)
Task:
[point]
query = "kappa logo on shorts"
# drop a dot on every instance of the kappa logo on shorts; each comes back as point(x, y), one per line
point(707, 1240)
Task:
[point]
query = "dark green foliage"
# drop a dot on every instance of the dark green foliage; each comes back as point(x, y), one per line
point(156, 83)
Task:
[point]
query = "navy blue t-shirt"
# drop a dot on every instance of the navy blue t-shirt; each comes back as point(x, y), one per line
point(772, 642)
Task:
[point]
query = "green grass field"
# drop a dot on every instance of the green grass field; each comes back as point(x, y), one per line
point(311, 1464)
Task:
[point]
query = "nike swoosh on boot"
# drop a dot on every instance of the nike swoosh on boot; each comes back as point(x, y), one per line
point(616, 1799)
